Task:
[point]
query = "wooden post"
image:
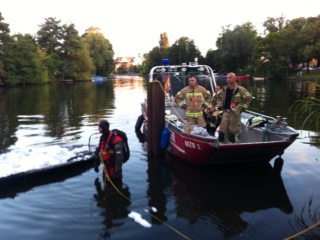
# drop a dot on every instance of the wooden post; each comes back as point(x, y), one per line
point(155, 111)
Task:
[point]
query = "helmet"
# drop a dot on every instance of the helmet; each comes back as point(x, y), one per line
point(104, 124)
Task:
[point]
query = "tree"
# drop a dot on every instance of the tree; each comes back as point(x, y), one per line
point(274, 24)
point(235, 48)
point(210, 59)
point(27, 61)
point(100, 50)
point(311, 39)
point(183, 51)
point(291, 38)
point(5, 45)
point(164, 43)
point(78, 64)
point(50, 36)
point(67, 54)
point(274, 62)
point(153, 58)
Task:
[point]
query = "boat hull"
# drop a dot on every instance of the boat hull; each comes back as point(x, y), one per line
point(201, 150)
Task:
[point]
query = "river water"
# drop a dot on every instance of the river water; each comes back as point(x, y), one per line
point(175, 200)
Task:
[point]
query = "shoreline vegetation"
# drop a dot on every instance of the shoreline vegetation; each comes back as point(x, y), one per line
point(313, 75)
point(59, 52)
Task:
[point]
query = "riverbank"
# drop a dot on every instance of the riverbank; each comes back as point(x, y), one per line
point(311, 75)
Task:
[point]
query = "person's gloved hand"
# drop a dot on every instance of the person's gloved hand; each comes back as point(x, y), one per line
point(95, 154)
point(96, 163)
point(210, 110)
point(237, 110)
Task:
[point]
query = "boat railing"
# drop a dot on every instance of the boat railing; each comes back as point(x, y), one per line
point(255, 114)
point(179, 74)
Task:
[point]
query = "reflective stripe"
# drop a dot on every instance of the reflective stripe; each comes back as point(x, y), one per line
point(194, 114)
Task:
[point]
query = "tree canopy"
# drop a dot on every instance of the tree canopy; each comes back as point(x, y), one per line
point(57, 52)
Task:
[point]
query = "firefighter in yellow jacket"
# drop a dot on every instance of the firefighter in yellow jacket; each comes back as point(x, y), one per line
point(194, 99)
point(232, 99)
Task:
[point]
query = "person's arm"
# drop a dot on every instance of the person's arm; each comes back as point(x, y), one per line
point(180, 96)
point(217, 101)
point(247, 99)
point(207, 99)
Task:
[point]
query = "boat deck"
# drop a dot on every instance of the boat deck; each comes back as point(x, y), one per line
point(247, 134)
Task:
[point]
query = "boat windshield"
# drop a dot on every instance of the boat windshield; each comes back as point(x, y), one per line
point(178, 77)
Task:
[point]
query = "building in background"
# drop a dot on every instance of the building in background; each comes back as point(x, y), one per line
point(126, 64)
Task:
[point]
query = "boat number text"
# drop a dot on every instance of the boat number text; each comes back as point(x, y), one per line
point(192, 145)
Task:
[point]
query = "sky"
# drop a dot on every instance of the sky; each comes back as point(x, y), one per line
point(134, 26)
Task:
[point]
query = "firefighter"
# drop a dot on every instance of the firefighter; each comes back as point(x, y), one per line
point(193, 99)
point(231, 99)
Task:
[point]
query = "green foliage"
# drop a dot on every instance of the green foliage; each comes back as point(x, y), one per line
point(309, 109)
point(183, 51)
point(25, 62)
point(68, 55)
point(235, 48)
point(5, 42)
point(153, 58)
point(50, 36)
point(58, 52)
point(121, 70)
point(100, 51)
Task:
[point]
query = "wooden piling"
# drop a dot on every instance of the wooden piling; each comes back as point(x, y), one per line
point(155, 111)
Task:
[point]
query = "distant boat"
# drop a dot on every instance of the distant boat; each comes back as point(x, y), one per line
point(258, 78)
point(238, 76)
point(241, 76)
point(98, 78)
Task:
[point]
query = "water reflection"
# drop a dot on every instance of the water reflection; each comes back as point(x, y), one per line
point(113, 205)
point(305, 225)
point(56, 111)
point(305, 88)
point(219, 194)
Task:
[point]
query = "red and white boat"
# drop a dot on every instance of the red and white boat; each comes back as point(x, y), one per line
point(256, 143)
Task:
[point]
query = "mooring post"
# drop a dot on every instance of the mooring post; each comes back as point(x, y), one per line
point(155, 111)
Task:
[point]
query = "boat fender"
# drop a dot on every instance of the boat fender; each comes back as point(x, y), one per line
point(165, 137)
point(139, 123)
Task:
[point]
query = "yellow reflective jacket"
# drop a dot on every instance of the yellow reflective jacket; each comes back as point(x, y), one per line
point(195, 99)
point(240, 100)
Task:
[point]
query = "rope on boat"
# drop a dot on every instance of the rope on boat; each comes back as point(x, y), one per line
point(107, 178)
point(302, 231)
point(173, 107)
